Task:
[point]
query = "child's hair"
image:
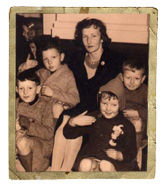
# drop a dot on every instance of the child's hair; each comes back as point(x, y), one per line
point(106, 94)
point(28, 75)
point(49, 42)
point(87, 23)
point(133, 64)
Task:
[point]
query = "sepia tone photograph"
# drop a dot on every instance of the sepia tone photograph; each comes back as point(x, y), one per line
point(81, 100)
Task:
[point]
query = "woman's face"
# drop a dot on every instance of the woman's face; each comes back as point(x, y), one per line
point(29, 34)
point(92, 39)
point(26, 32)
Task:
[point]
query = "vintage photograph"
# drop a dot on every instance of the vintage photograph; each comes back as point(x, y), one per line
point(81, 100)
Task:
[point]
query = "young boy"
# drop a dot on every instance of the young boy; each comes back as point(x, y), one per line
point(56, 78)
point(111, 139)
point(57, 82)
point(35, 126)
point(133, 76)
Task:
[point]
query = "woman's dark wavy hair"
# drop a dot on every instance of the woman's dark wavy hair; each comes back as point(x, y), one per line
point(86, 23)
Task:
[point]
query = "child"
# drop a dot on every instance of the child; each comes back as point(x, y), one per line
point(57, 82)
point(111, 144)
point(35, 126)
point(133, 76)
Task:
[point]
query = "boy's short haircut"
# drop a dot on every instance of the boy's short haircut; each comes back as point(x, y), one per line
point(48, 42)
point(28, 75)
point(133, 64)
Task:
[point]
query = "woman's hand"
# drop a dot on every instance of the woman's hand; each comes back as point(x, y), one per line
point(28, 64)
point(130, 113)
point(82, 120)
point(114, 154)
point(47, 91)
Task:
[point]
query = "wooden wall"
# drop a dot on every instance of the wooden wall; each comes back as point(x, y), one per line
point(121, 28)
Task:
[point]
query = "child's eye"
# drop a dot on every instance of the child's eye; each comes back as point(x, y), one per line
point(94, 35)
point(20, 88)
point(137, 78)
point(30, 88)
point(54, 57)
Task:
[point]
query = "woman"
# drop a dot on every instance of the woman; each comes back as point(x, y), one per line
point(93, 66)
point(26, 47)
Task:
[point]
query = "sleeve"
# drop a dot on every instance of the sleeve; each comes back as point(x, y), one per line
point(73, 132)
point(129, 150)
point(71, 97)
point(142, 110)
point(45, 130)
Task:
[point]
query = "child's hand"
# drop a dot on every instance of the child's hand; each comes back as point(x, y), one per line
point(47, 91)
point(137, 122)
point(130, 113)
point(114, 154)
point(82, 120)
point(24, 122)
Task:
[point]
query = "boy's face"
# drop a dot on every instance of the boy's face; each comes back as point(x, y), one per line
point(133, 79)
point(109, 107)
point(27, 90)
point(52, 59)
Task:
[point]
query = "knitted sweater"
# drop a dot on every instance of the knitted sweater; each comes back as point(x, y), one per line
point(41, 130)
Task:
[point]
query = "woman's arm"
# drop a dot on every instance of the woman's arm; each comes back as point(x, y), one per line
point(78, 126)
